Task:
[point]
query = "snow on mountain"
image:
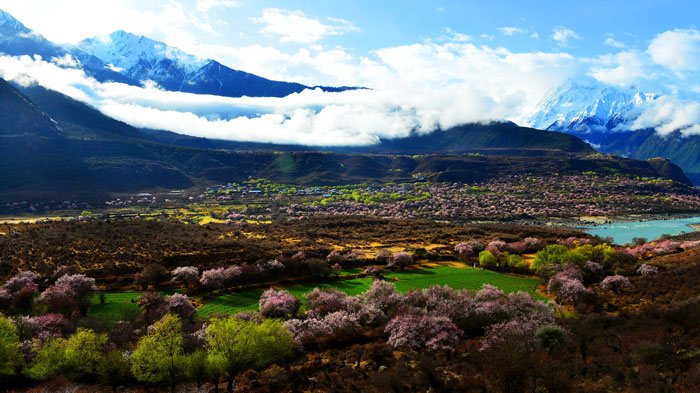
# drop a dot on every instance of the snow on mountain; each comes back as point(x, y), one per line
point(18, 40)
point(127, 58)
point(585, 107)
point(11, 26)
point(142, 58)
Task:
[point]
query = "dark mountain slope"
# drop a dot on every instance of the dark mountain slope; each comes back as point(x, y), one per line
point(91, 154)
point(473, 137)
point(77, 117)
point(19, 116)
point(38, 158)
point(646, 144)
point(492, 139)
point(215, 78)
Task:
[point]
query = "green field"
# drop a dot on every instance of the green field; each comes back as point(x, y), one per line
point(462, 278)
point(455, 277)
point(117, 305)
point(248, 300)
point(121, 304)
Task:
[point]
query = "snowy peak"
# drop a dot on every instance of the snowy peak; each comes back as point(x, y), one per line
point(586, 107)
point(140, 57)
point(11, 26)
point(143, 59)
point(132, 59)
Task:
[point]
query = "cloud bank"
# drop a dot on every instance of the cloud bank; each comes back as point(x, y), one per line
point(414, 88)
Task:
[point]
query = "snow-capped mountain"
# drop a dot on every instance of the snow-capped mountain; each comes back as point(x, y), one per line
point(127, 58)
point(143, 59)
point(17, 40)
point(10, 26)
point(585, 107)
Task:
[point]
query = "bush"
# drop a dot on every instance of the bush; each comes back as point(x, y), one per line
point(323, 302)
point(401, 260)
point(382, 295)
point(616, 283)
point(179, 305)
point(159, 355)
point(186, 274)
point(568, 286)
point(552, 338)
point(487, 260)
point(468, 249)
point(10, 355)
point(434, 333)
point(278, 304)
point(238, 345)
point(646, 269)
point(59, 299)
point(553, 256)
point(383, 256)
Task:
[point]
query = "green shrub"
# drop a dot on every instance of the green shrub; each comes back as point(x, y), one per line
point(487, 260)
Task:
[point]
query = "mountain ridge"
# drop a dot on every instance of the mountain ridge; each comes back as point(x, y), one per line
point(586, 107)
point(142, 59)
point(171, 68)
point(96, 155)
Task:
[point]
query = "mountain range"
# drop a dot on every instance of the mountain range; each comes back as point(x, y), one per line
point(142, 59)
point(586, 107)
point(126, 58)
point(53, 147)
point(593, 112)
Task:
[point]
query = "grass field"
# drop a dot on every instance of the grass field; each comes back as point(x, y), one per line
point(455, 277)
point(461, 278)
point(248, 300)
point(116, 306)
point(120, 304)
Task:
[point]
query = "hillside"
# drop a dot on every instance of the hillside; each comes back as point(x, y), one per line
point(645, 144)
point(55, 147)
point(473, 137)
point(21, 116)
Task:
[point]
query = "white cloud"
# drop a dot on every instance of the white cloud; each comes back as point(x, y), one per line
point(511, 30)
point(669, 114)
point(563, 35)
point(624, 69)
point(612, 42)
point(204, 6)
point(66, 61)
point(461, 37)
point(295, 26)
point(415, 88)
point(70, 21)
point(678, 50)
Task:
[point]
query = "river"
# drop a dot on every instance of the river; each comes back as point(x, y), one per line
point(624, 231)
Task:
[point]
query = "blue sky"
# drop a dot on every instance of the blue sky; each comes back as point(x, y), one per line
point(429, 63)
point(384, 23)
point(395, 22)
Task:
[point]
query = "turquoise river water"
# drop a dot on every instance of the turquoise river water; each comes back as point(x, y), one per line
point(622, 232)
